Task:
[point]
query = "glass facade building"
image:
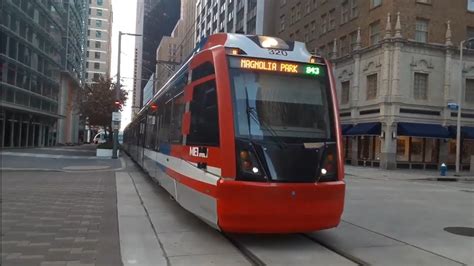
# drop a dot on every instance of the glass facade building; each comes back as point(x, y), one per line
point(41, 70)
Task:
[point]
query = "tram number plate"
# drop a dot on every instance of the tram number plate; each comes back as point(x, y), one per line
point(277, 52)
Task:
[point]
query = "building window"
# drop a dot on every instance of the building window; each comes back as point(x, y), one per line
point(424, 2)
point(298, 11)
point(98, 23)
point(99, 12)
point(469, 93)
point(375, 3)
point(100, 2)
point(375, 33)
point(96, 65)
point(313, 30)
point(96, 76)
point(87, 64)
point(98, 34)
point(306, 33)
point(332, 19)
point(421, 32)
point(353, 39)
point(345, 87)
point(88, 43)
point(307, 7)
point(470, 5)
point(343, 46)
point(345, 12)
point(293, 19)
point(354, 9)
point(282, 23)
point(97, 44)
point(97, 55)
point(421, 86)
point(469, 33)
point(371, 86)
point(324, 25)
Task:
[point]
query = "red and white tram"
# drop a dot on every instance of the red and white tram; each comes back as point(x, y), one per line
point(246, 136)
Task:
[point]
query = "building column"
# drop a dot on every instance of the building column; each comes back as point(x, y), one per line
point(40, 136)
point(355, 150)
point(443, 152)
point(12, 130)
point(33, 135)
point(27, 134)
point(388, 154)
point(2, 140)
point(20, 121)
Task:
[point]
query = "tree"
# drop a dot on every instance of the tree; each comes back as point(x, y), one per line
point(99, 101)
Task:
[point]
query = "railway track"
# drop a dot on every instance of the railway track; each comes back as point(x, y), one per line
point(291, 249)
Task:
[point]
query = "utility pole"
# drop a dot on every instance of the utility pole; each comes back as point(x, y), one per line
point(116, 124)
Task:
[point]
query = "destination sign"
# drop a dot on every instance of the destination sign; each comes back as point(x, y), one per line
point(275, 66)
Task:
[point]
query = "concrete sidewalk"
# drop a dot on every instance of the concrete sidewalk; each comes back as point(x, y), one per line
point(403, 174)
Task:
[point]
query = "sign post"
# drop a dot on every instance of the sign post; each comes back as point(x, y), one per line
point(116, 117)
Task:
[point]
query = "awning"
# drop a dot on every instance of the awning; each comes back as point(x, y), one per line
point(422, 130)
point(466, 132)
point(364, 129)
point(345, 128)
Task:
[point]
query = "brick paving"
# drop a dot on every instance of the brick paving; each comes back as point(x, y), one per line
point(56, 218)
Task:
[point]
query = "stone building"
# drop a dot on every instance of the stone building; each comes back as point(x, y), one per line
point(397, 67)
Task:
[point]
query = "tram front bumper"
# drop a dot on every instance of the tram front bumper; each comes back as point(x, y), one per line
point(253, 207)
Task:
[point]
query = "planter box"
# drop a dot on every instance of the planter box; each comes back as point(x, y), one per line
point(105, 153)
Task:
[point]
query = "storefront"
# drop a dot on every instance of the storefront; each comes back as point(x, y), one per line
point(363, 144)
point(467, 147)
point(418, 145)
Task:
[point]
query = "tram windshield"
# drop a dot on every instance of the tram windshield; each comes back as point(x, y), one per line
point(294, 108)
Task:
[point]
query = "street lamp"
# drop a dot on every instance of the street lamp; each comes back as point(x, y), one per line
point(469, 44)
point(117, 90)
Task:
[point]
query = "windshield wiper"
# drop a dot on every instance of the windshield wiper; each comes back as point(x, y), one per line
point(253, 114)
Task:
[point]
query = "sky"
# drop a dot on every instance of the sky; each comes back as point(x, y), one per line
point(124, 18)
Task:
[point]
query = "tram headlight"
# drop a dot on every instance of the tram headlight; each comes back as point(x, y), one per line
point(248, 165)
point(329, 169)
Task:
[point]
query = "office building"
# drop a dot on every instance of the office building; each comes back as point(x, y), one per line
point(178, 46)
point(150, 14)
point(397, 67)
point(241, 16)
point(99, 39)
point(41, 71)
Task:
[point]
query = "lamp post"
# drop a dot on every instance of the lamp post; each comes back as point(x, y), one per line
point(117, 90)
point(470, 44)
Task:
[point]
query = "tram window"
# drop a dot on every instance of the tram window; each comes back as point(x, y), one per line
point(150, 131)
point(203, 70)
point(166, 122)
point(204, 128)
point(178, 111)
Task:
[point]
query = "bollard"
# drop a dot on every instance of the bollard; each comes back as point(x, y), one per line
point(443, 169)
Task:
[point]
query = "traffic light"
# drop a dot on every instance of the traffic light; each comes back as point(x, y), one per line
point(118, 104)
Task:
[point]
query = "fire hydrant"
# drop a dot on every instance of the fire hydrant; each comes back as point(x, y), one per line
point(443, 169)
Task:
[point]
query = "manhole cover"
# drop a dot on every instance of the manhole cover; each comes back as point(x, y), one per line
point(463, 231)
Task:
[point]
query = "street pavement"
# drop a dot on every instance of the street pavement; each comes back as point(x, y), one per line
point(75, 210)
point(55, 217)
